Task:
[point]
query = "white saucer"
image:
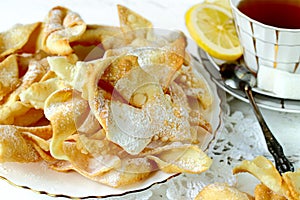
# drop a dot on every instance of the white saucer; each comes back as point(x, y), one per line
point(264, 99)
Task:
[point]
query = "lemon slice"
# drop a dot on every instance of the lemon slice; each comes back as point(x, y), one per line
point(212, 27)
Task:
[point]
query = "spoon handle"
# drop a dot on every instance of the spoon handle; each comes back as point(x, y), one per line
point(281, 162)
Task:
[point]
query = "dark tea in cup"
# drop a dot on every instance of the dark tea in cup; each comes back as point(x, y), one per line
point(278, 13)
point(269, 33)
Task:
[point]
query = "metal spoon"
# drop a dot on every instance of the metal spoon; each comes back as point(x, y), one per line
point(237, 76)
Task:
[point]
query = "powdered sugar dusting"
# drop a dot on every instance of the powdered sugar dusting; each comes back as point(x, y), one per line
point(14, 147)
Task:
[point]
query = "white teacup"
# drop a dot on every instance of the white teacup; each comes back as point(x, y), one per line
point(271, 52)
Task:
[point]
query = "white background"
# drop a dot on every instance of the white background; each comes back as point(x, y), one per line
point(167, 14)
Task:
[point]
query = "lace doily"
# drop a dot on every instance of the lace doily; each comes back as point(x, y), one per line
point(238, 139)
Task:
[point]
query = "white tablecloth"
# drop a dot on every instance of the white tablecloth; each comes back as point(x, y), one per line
point(240, 136)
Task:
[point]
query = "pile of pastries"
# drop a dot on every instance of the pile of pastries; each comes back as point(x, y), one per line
point(114, 104)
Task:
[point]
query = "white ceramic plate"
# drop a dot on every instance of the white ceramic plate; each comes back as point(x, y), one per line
point(263, 99)
point(39, 178)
